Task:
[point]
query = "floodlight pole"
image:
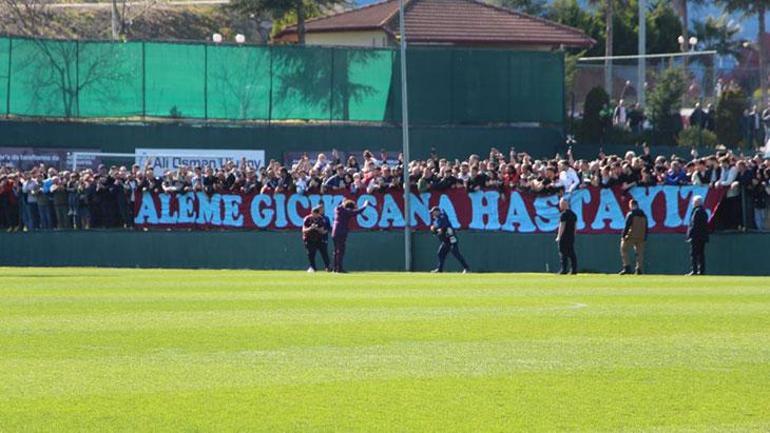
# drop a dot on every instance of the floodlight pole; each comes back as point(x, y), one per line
point(640, 90)
point(405, 142)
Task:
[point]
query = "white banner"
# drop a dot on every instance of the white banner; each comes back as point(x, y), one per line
point(171, 159)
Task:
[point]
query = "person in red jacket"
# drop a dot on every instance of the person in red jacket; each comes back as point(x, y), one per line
point(342, 216)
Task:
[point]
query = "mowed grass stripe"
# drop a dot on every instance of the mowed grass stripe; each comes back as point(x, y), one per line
point(240, 351)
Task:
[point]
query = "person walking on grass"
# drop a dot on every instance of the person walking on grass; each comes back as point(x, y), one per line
point(698, 236)
point(342, 216)
point(441, 227)
point(565, 238)
point(634, 237)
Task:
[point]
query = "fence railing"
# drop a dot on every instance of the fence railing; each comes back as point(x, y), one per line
point(705, 78)
point(105, 79)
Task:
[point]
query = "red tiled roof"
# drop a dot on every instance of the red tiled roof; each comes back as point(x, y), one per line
point(450, 21)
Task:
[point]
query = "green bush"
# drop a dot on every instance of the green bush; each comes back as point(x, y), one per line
point(594, 123)
point(729, 116)
point(697, 137)
point(664, 105)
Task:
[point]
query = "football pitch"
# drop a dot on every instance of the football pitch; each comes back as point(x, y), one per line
point(122, 350)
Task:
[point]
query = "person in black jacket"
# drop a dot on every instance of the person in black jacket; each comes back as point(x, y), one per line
point(565, 237)
point(698, 236)
point(315, 234)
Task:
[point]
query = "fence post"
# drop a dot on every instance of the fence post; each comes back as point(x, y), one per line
point(451, 86)
point(144, 82)
point(8, 84)
point(331, 85)
point(205, 81)
point(270, 91)
point(77, 78)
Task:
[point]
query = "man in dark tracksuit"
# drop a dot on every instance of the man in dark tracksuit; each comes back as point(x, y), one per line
point(342, 216)
point(698, 236)
point(634, 237)
point(441, 226)
point(566, 237)
point(315, 234)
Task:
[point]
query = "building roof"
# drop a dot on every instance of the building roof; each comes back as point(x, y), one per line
point(449, 22)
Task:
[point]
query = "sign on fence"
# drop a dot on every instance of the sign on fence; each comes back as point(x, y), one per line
point(171, 159)
point(25, 158)
point(599, 210)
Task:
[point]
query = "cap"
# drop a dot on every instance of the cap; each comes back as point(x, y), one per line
point(435, 209)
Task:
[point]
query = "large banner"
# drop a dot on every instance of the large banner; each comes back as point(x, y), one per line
point(598, 210)
point(172, 159)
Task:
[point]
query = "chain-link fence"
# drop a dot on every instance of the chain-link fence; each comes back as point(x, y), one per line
point(706, 77)
point(68, 78)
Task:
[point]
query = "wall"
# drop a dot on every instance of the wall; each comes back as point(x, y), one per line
point(377, 251)
point(450, 141)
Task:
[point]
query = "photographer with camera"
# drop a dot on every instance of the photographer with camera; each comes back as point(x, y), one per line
point(315, 235)
point(442, 228)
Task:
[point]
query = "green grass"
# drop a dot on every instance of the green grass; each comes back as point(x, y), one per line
point(105, 350)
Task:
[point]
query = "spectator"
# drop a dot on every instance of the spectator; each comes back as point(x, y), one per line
point(676, 175)
point(60, 203)
point(710, 118)
point(759, 195)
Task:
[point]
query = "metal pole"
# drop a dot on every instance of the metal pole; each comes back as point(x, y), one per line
point(144, 81)
point(405, 142)
point(640, 90)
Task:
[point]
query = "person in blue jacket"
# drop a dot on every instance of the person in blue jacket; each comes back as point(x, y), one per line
point(442, 228)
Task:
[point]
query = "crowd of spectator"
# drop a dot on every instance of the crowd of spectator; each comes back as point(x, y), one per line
point(754, 123)
point(44, 198)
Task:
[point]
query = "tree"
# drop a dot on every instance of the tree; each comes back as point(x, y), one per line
point(729, 116)
point(758, 8)
point(124, 14)
point(569, 12)
point(663, 27)
point(594, 124)
point(665, 103)
point(297, 11)
point(718, 34)
point(531, 7)
point(609, 20)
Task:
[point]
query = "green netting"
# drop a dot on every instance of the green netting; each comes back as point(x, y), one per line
point(446, 85)
point(480, 86)
point(550, 69)
point(361, 84)
point(429, 87)
point(238, 82)
point(44, 78)
point(4, 62)
point(110, 79)
point(536, 87)
point(302, 82)
point(175, 80)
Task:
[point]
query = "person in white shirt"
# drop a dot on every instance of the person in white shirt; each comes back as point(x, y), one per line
point(568, 178)
point(321, 162)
